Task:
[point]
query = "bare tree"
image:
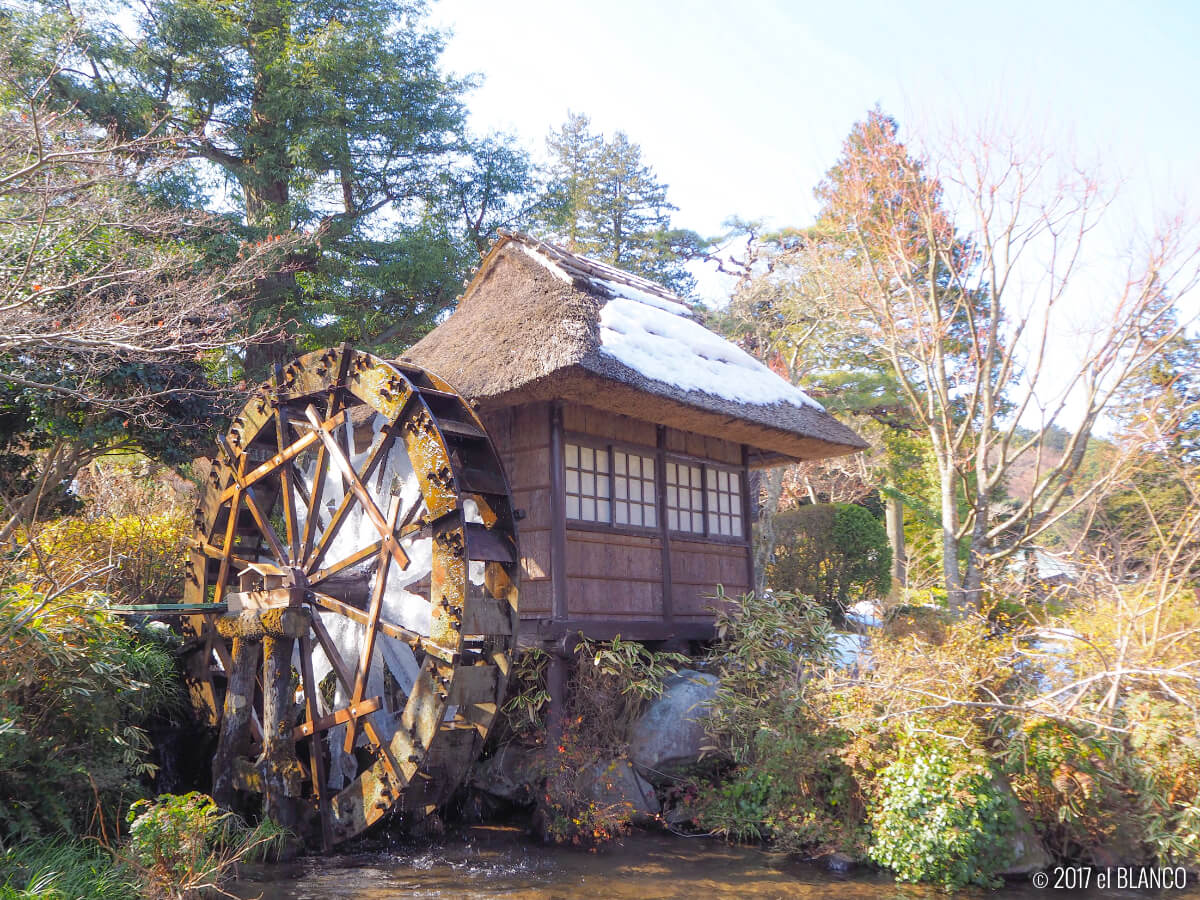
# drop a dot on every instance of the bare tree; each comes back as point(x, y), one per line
point(111, 304)
point(966, 269)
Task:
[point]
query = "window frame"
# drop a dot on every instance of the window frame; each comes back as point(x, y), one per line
point(608, 446)
point(660, 457)
point(705, 465)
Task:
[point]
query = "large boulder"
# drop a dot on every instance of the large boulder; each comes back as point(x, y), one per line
point(510, 774)
point(668, 739)
point(614, 783)
point(1027, 853)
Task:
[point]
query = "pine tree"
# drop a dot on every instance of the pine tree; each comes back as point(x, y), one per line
point(329, 117)
point(603, 201)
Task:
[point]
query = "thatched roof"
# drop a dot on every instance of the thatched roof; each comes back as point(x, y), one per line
point(539, 323)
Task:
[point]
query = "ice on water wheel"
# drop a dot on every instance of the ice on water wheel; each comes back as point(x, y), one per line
point(357, 542)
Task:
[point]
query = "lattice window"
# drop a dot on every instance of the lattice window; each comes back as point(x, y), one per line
point(587, 484)
point(685, 502)
point(724, 491)
point(633, 490)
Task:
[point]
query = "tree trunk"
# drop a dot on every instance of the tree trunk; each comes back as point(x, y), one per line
point(894, 516)
point(772, 481)
point(950, 570)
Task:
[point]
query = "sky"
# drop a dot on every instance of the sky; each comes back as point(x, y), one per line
point(741, 107)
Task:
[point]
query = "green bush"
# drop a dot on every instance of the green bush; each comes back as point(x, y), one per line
point(184, 846)
point(940, 817)
point(788, 784)
point(76, 688)
point(834, 553)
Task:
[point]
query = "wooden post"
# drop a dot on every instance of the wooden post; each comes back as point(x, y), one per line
point(280, 769)
point(660, 478)
point(233, 739)
point(558, 517)
point(747, 521)
point(560, 610)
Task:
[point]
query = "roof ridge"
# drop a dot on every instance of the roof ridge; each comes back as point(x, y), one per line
point(583, 266)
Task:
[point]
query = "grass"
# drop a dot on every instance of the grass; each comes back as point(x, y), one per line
point(62, 870)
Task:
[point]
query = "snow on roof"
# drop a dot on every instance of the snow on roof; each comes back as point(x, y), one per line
point(648, 329)
point(676, 349)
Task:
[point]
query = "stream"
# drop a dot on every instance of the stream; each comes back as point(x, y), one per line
point(488, 861)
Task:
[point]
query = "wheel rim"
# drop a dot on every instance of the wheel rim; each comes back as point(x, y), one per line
point(365, 497)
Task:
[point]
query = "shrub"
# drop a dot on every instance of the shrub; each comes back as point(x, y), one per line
point(834, 553)
point(789, 783)
point(940, 817)
point(137, 558)
point(76, 688)
point(184, 846)
point(612, 683)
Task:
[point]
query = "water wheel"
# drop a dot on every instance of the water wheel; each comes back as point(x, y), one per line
point(356, 540)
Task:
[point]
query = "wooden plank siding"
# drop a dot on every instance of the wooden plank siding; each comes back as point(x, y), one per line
point(522, 437)
point(613, 576)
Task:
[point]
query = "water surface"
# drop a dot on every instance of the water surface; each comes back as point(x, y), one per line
point(500, 862)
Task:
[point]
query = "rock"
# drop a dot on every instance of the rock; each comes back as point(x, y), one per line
point(1028, 855)
point(840, 863)
point(668, 738)
point(509, 774)
point(680, 816)
point(616, 783)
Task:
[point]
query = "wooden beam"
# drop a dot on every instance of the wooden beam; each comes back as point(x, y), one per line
point(558, 516)
point(399, 632)
point(373, 611)
point(260, 518)
point(343, 675)
point(660, 479)
point(288, 495)
point(747, 509)
point(316, 753)
point(338, 457)
point(292, 450)
point(237, 466)
point(552, 631)
point(345, 714)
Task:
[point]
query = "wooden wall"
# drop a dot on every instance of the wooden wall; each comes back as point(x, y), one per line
point(612, 576)
point(522, 437)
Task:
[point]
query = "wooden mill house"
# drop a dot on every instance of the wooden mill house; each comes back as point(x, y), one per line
point(628, 431)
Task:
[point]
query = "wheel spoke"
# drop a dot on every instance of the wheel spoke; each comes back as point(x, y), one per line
point(368, 647)
point(343, 675)
point(364, 496)
point(285, 483)
point(264, 525)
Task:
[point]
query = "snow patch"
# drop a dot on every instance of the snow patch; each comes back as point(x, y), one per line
point(677, 350)
point(547, 263)
point(630, 292)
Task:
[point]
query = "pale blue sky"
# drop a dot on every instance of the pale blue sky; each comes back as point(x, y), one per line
point(742, 106)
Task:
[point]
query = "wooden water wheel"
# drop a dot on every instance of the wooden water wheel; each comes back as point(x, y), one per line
point(356, 542)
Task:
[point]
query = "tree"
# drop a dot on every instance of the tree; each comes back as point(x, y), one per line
point(603, 201)
point(780, 311)
point(115, 307)
point(333, 118)
point(834, 553)
point(965, 317)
